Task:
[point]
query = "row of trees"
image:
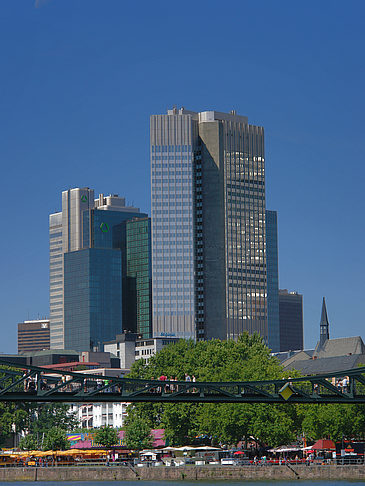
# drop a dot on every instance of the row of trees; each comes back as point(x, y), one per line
point(46, 427)
point(245, 359)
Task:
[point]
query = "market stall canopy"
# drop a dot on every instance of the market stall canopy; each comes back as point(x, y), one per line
point(285, 448)
point(185, 448)
point(207, 448)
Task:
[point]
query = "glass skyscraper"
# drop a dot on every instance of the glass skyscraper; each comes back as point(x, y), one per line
point(272, 280)
point(138, 297)
point(87, 254)
point(208, 225)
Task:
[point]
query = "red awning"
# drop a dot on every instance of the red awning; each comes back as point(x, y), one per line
point(324, 444)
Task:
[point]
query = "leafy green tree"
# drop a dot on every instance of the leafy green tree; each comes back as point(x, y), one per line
point(332, 421)
point(12, 418)
point(137, 434)
point(43, 416)
point(246, 359)
point(28, 443)
point(106, 436)
point(55, 440)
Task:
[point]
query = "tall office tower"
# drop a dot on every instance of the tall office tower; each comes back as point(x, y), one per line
point(272, 280)
point(89, 271)
point(291, 320)
point(64, 235)
point(137, 299)
point(208, 225)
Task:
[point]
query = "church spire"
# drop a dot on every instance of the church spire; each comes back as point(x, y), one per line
point(324, 325)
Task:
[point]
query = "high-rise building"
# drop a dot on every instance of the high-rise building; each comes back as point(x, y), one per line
point(33, 335)
point(272, 280)
point(138, 297)
point(64, 235)
point(86, 271)
point(291, 320)
point(208, 225)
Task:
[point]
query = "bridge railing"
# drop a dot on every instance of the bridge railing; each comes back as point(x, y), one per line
point(31, 383)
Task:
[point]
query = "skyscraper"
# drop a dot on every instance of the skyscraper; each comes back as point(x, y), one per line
point(87, 246)
point(208, 225)
point(291, 320)
point(272, 280)
point(138, 297)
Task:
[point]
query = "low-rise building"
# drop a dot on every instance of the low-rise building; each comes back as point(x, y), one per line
point(129, 347)
point(329, 355)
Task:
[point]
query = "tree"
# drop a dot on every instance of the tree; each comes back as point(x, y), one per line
point(332, 421)
point(137, 434)
point(245, 359)
point(55, 440)
point(106, 436)
point(28, 443)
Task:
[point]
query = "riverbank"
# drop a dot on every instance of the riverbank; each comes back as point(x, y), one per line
point(191, 473)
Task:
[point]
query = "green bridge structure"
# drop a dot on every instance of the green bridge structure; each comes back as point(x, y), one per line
point(23, 383)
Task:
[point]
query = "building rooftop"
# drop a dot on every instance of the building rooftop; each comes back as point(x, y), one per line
point(326, 365)
point(340, 347)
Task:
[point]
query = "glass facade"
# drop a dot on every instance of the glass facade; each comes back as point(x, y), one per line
point(244, 193)
point(93, 297)
point(272, 281)
point(87, 265)
point(138, 302)
point(208, 225)
point(172, 226)
point(291, 320)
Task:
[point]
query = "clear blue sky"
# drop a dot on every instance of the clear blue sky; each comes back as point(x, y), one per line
point(79, 80)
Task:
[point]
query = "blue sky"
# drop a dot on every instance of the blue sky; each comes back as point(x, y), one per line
point(80, 79)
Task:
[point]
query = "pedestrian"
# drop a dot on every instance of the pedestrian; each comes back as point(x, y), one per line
point(193, 379)
point(345, 383)
point(188, 380)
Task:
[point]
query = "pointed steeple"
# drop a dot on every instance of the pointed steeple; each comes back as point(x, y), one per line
point(324, 325)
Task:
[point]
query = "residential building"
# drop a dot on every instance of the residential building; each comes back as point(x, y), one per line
point(272, 280)
point(291, 320)
point(209, 276)
point(87, 273)
point(92, 415)
point(33, 335)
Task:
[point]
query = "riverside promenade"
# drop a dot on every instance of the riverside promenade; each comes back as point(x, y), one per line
point(191, 473)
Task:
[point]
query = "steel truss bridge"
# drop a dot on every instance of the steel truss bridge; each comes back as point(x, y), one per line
point(23, 383)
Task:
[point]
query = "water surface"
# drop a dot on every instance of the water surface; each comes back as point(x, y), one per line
point(185, 483)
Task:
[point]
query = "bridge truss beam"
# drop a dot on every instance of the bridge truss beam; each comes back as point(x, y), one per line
point(34, 384)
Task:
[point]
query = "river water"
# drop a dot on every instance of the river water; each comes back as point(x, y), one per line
point(187, 483)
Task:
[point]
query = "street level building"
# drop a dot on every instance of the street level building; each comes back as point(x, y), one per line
point(87, 270)
point(33, 335)
point(209, 275)
point(291, 320)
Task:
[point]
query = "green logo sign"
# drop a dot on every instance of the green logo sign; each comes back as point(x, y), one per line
point(84, 198)
point(104, 227)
